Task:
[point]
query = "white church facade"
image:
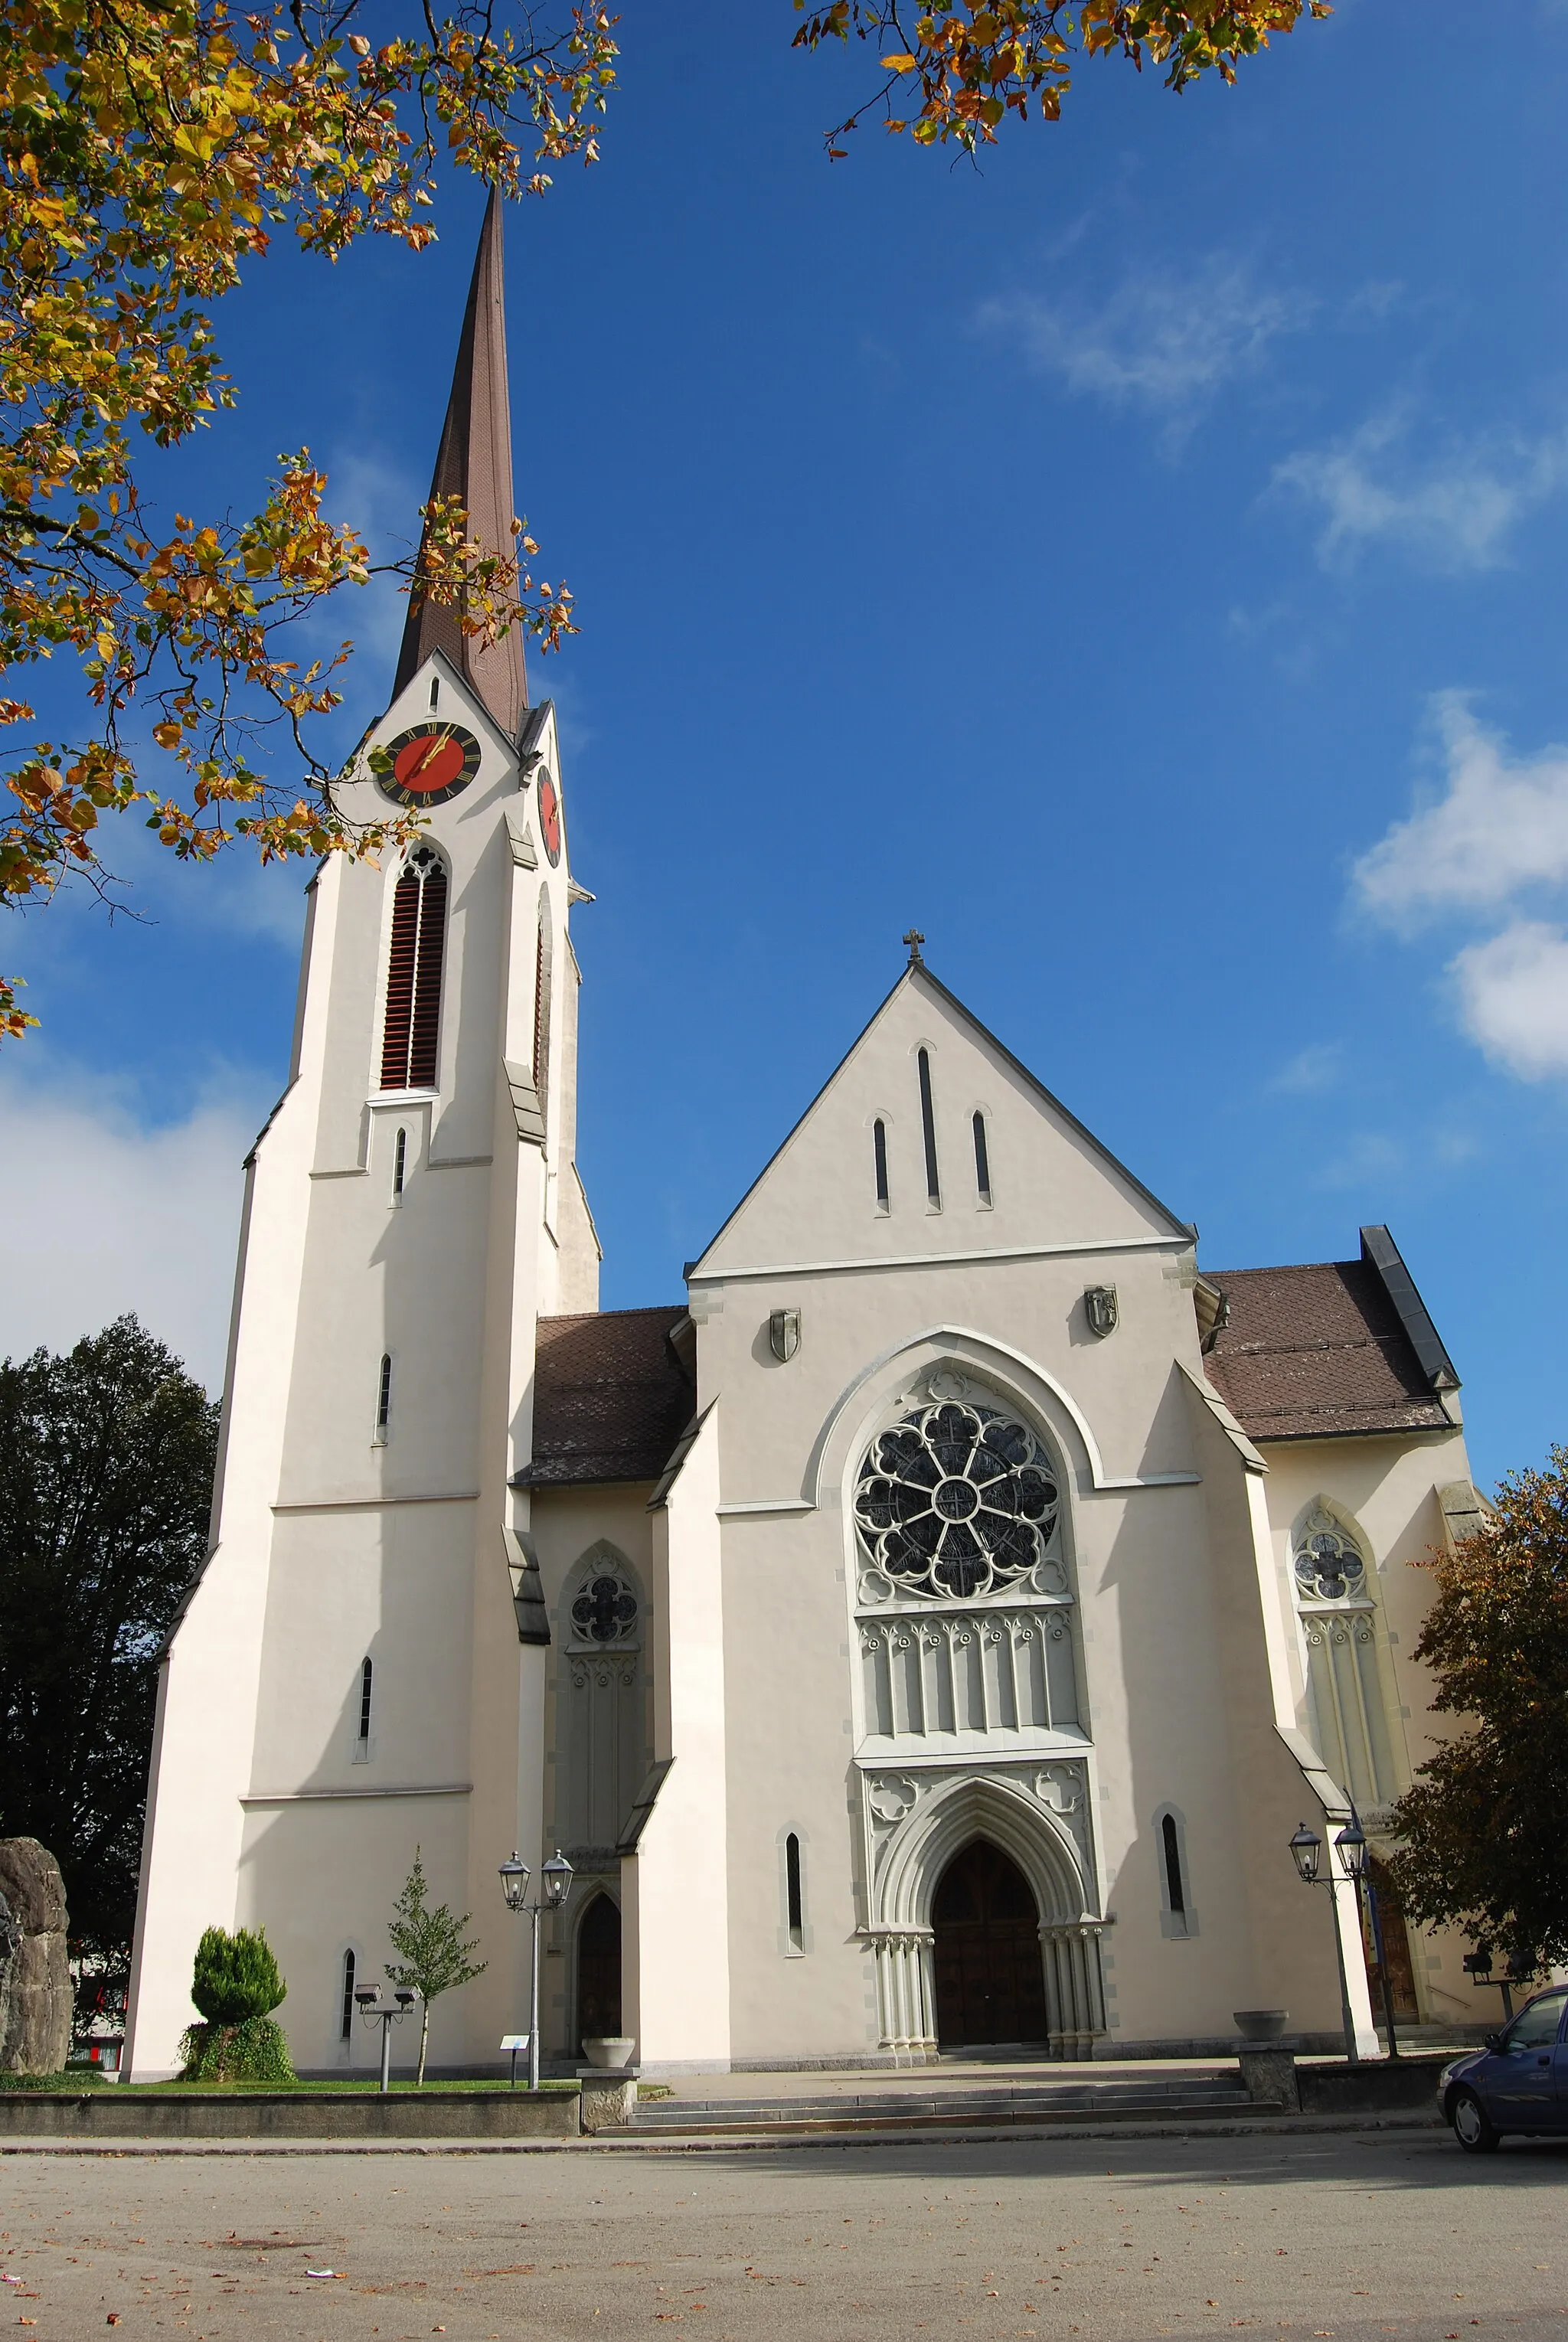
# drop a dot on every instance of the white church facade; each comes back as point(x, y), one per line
point(927, 1633)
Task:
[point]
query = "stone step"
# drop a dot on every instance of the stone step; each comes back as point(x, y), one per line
point(1065, 2102)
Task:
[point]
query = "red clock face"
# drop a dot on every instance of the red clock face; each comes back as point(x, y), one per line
point(549, 817)
point(428, 764)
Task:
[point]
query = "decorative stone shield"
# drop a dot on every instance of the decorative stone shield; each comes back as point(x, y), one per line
point(1100, 1308)
point(784, 1334)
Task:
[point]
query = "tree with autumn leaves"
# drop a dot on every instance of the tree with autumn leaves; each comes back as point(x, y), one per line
point(149, 150)
point(1481, 1840)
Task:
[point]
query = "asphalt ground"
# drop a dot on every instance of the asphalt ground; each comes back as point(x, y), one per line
point(1354, 2237)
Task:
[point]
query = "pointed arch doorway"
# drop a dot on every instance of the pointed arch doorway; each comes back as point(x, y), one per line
point(990, 1979)
point(599, 1971)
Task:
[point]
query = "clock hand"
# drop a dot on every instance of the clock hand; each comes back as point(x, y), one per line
point(437, 740)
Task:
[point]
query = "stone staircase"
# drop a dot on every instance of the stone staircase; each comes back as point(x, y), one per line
point(1144, 2097)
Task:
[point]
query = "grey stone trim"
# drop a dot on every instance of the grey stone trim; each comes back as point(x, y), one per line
point(525, 1103)
point(523, 852)
point(527, 1588)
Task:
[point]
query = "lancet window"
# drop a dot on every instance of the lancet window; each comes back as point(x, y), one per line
point(602, 1748)
point(1347, 1704)
point(410, 1029)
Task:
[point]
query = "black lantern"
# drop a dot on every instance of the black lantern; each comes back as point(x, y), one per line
point(513, 1881)
point(556, 1877)
point(1352, 1844)
point(1305, 1849)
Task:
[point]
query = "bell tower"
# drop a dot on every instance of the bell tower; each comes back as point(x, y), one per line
point(359, 1669)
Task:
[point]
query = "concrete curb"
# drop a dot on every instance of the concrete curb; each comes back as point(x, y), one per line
point(749, 2143)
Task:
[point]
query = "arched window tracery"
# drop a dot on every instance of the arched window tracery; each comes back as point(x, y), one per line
point(965, 1610)
point(1347, 1704)
point(411, 1029)
point(602, 1736)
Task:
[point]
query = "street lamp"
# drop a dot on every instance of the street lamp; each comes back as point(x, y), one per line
point(387, 2013)
point(1478, 1968)
point(554, 1886)
point(1306, 1849)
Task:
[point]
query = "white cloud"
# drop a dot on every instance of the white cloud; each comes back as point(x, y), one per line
point(1315, 1067)
point(1162, 342)
point(1514, 998)
point(1502, 827)
point(1456, 512)
point(1363, 1158)
point(100, 1212)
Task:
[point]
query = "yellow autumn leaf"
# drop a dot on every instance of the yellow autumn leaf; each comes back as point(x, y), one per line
point(900, 61)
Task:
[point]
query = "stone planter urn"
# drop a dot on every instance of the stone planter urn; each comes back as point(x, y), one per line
point(1262, 2026)
point(609, 2050)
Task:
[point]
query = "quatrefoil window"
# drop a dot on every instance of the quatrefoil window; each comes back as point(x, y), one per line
point(956, 1500)
point(1329, 1566)
point(604, 1611)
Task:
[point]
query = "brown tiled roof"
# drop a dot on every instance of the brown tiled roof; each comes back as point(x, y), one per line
point(1317, 1352)
point(611, 1397)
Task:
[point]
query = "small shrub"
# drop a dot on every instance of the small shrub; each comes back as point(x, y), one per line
point(254, 2051)
point(236, 1985)
point(236, 1976)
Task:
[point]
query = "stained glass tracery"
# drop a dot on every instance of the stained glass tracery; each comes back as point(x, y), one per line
point(956, 1500)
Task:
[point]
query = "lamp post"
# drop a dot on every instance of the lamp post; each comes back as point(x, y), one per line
point(554, 1886)
point(387, 2013)
point(1478, 1968)
point(1306, 1848)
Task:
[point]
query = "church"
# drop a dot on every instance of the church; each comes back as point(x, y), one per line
point(925, 1633)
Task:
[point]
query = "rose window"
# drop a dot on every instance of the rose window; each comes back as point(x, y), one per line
point(956, 1500)
point(1328, 1566)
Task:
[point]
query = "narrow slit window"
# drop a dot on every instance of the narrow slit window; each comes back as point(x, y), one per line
point(399, 1162)
point(879, 1156)
point(981, 1160)
point(345, 2018)
point(413, 1022)
point(792, 1892)
point(383, 1399)
point(543, 960)
point(1175, 1891)
point(928, 1126)
point(366, 1679)
point(434, 689)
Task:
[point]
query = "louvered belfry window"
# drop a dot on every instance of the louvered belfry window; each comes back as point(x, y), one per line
point(413, 974)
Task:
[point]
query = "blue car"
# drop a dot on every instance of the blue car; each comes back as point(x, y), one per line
point(1519, 2082)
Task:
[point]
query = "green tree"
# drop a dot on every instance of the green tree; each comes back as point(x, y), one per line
point(1481, 1843)
point(106, 1460)
point(435, 1957)
point(149, 149)
point(236, 1985)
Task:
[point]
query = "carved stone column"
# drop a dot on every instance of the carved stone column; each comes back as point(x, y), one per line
point(1074, 1988)
point(906, 1990)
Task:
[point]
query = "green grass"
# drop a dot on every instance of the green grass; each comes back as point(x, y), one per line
point(70, 2085)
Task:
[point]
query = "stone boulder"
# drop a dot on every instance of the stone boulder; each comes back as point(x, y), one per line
point(35, 1998)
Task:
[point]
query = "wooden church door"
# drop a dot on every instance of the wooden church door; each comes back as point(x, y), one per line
point(990, 1982)
point(599, 1971)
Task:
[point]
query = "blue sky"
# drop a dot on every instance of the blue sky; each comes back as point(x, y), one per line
point(1138, 563)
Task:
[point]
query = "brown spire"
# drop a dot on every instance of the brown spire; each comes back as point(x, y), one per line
point(474, 463)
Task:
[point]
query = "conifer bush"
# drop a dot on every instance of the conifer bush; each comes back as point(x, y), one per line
point(236, 1985)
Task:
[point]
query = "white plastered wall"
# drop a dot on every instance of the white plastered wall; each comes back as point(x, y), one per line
point(676, 1897)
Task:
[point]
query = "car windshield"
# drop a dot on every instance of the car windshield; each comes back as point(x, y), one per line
point(1536, 2028)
